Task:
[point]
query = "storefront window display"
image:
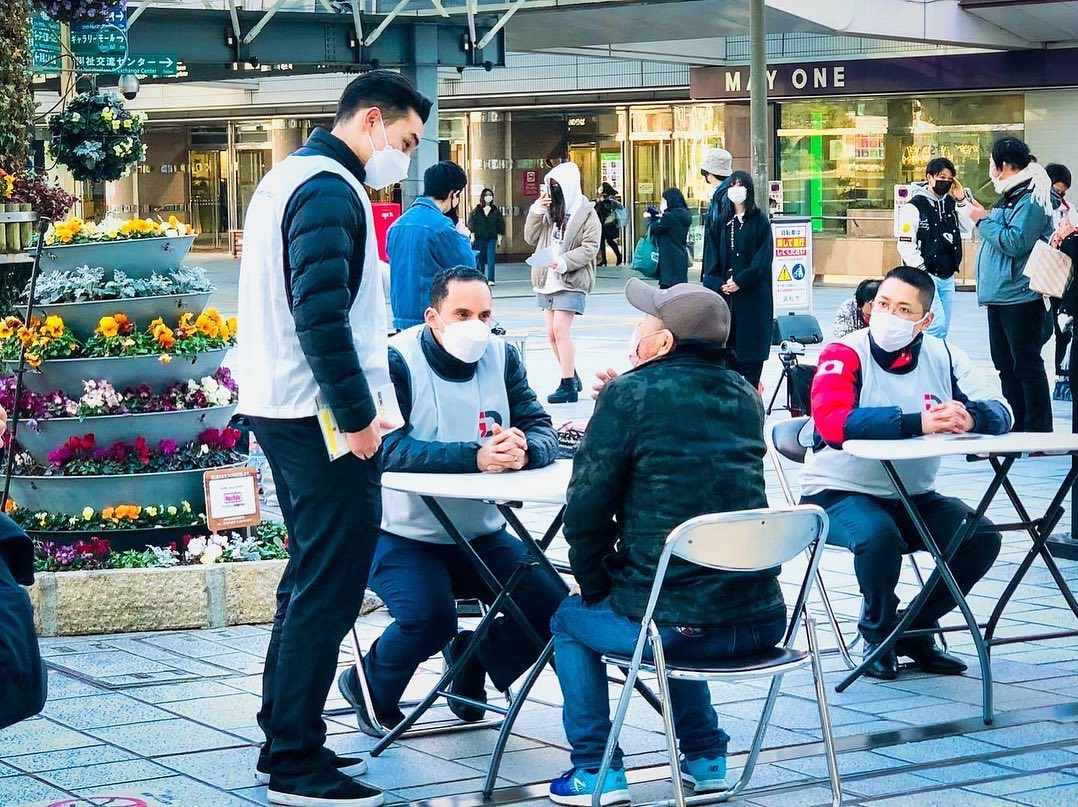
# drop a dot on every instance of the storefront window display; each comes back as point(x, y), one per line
point(840, 160)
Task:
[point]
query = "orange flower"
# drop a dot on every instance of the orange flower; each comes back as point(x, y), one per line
point(107, 514)
point(232, 325)
point(108, 327)
point(9, 327)
point(26, 336)
point(33, 359)
point(185, 328)
point(123, 323)
point(10, 506)
point(207, 325)
point(54, 327)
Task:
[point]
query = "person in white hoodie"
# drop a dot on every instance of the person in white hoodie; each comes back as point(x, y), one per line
point(563, 219)
point(930, 230)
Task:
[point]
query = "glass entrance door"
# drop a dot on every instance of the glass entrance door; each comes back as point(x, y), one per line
point(209, 195)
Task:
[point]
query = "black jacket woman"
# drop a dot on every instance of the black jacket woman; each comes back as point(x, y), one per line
point(488, 227)
point(744, 259)
point(670, 233)
point(606, 208)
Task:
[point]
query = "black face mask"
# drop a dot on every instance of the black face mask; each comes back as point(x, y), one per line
point(943, 186)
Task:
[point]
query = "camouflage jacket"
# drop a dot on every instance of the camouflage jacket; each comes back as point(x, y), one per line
point(677, 437)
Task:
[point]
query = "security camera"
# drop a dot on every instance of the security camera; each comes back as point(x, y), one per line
point(128, 87)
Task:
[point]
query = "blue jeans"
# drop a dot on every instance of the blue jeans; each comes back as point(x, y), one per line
point(583, 633)
point(419, 583)
point(487, 248)
point(942, 305)
point(879, 532)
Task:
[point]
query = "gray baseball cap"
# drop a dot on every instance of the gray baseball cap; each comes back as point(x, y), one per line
point(688, 311)
point(718, 162)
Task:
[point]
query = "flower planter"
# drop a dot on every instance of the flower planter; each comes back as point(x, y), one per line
point(68, 375)
point(82, 318)
point(182, 426)
point(70, 494)
point(131, 600)
point(136, 257)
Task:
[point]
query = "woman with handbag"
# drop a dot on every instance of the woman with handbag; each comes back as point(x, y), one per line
point(563, 220)
point(1018, 323)
point(606, 208)
point(669, 233)
point(745, 254)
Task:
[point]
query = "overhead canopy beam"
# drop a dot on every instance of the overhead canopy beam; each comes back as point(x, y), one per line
point(262, 23)
point(377, 32)
point(307, 42)
point(508, 15)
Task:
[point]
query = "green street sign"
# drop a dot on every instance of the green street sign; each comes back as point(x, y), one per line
point(150, 65)
point(45, 43)
point(104, 39)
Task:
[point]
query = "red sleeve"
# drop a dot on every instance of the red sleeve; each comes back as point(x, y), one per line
point(835, 391)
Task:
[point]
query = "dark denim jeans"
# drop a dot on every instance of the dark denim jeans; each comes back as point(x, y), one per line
point(488, 256)
point(583, 633)
point(879, 532)
point(419, 583)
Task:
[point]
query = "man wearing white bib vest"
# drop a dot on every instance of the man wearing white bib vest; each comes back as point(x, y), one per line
point(312, 299)
point(890, 381)
point(467, 408)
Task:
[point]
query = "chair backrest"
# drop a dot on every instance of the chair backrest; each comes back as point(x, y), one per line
point(783, 440)
point(747, 541)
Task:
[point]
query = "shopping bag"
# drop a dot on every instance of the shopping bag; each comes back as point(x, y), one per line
point(646, 258)
point(1048, 270)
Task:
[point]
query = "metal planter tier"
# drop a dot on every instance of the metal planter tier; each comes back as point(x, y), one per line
point(183, 427)
point(82, 318)
point(135, 257)
point(68, 375)
point(70, 494)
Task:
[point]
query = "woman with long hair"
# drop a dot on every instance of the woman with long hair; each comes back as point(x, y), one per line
point(669, 233)
point(488, 227)
point(745, 254)
point(563, 221)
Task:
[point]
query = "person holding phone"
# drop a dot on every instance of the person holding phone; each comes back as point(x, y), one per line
point(563, 220)
point(930, 230)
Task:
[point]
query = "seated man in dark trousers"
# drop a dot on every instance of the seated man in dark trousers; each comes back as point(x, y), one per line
point(467, 408)
point(891, 381)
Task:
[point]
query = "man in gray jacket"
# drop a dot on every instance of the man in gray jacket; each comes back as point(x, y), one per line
point(1018, 323)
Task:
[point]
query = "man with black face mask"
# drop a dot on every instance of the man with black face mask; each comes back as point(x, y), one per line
point(426, 240)
point(930, 230)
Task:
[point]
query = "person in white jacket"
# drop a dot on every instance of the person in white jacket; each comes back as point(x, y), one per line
point(930, 231)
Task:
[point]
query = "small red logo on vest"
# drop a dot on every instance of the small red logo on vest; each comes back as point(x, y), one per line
point(931, 400)
point(486, 423)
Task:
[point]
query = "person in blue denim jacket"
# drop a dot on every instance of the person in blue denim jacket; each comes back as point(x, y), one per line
point(426, 240)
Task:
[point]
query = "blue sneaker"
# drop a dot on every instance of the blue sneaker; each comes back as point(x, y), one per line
point(575, 787)
point(704, 774)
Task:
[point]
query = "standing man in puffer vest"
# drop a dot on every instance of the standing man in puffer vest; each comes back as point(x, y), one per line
point(930, 230)
point(313, 308)
point(467, 408)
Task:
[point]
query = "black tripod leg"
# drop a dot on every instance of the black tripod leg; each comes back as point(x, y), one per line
point(784, 377)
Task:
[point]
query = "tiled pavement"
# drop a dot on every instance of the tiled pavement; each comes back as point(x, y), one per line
point(171, 717)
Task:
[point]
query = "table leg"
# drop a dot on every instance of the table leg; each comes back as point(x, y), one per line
point(942, 572)
point(1039, 532)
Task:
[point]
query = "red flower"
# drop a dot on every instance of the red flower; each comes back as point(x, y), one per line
point(143, 449)
point(87, 442)
point(210, 437)
point(100, 547)
point(229, 437)
point(172, 545)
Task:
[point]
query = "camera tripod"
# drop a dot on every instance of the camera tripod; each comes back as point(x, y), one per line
point(789, 362)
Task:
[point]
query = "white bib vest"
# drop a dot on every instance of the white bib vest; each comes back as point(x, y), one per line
point(927, 384)
point(448, 412)
point(274, 377)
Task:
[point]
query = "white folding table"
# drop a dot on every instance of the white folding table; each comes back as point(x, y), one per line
point(1000, 452)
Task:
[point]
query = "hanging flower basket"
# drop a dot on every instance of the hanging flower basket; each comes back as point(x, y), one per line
point(76, 10)
point(97, 138)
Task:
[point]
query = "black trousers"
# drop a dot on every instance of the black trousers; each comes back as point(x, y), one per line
point(1016, 334)
point(609, 238)
point(333, 512)
point(879, 532)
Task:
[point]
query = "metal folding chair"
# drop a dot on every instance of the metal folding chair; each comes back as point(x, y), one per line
point(784, 439)
point(746, 541)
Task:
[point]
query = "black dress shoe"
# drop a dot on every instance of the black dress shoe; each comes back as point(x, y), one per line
point(929, 656)
point(470, 681)
point(885, 668)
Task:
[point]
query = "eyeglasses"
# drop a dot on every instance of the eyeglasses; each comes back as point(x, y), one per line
point(898, 309)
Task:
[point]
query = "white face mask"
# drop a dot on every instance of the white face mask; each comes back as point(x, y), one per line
point(386, 166)
point(466, 340)
point(891, 333)
point(737, 194)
